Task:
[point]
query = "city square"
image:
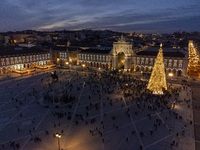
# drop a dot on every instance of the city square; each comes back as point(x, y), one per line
point(99, 75)
point(109, 110)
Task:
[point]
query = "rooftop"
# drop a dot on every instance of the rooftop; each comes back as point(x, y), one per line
point(70, 48)
point(95, 51)
point(12, 50)
point(167, 52)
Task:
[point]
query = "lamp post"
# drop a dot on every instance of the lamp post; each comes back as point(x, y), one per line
point(170, 74)
point(58, 136)
point(83, 66)
point(67, 65)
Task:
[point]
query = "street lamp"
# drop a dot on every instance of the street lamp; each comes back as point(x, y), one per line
point(58, 136)
point(170, 75)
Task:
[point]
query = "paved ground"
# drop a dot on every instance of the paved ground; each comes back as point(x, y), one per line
point(22, 118)
point(195, 85)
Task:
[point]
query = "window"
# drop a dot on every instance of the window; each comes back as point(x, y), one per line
point(180, 64)
point(175, 63)
point(142, 61)
point(151, 61)
point(27, 60)
point(24, 60)
point(147, 61)
point(37, 57)
point(165, 62)
point(16, 61)
point(138, 60)
point(48, 56)
point(170, 63)
point(2, 61)
point(12, 62)
point(7, 61)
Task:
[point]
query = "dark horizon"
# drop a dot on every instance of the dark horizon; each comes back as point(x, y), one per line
point(95, 30)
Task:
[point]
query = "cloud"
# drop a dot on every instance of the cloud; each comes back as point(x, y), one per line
point(120, 15)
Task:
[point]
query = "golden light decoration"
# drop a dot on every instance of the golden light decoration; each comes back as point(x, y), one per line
point(157, 80)
point(193, 59)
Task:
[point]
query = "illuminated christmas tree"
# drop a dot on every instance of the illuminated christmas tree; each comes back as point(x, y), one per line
point(157, 80)
point(193, 64)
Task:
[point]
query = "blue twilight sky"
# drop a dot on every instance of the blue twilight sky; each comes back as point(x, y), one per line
point(140, 16)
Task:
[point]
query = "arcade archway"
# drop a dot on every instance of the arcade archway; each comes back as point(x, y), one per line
point(121, 60)
point(179, 73)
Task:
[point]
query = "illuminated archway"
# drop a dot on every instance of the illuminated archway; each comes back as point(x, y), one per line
point(121, 60)
point(145, 69)
point(142, 68)
point(137, 68)
point(132, 68)
point(150, 69)
point(121, 54)
point(174, 72)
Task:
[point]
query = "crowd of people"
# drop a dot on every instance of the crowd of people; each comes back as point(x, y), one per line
point(109, 89)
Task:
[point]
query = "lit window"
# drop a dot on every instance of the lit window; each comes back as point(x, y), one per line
point(180, 63)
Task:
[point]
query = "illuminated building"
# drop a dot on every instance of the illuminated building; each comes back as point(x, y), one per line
point(124, 57)
point(18, 58)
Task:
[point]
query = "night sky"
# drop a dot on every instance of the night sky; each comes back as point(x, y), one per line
point(140, 16)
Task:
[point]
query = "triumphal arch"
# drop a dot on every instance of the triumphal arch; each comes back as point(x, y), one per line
point(122, 54)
